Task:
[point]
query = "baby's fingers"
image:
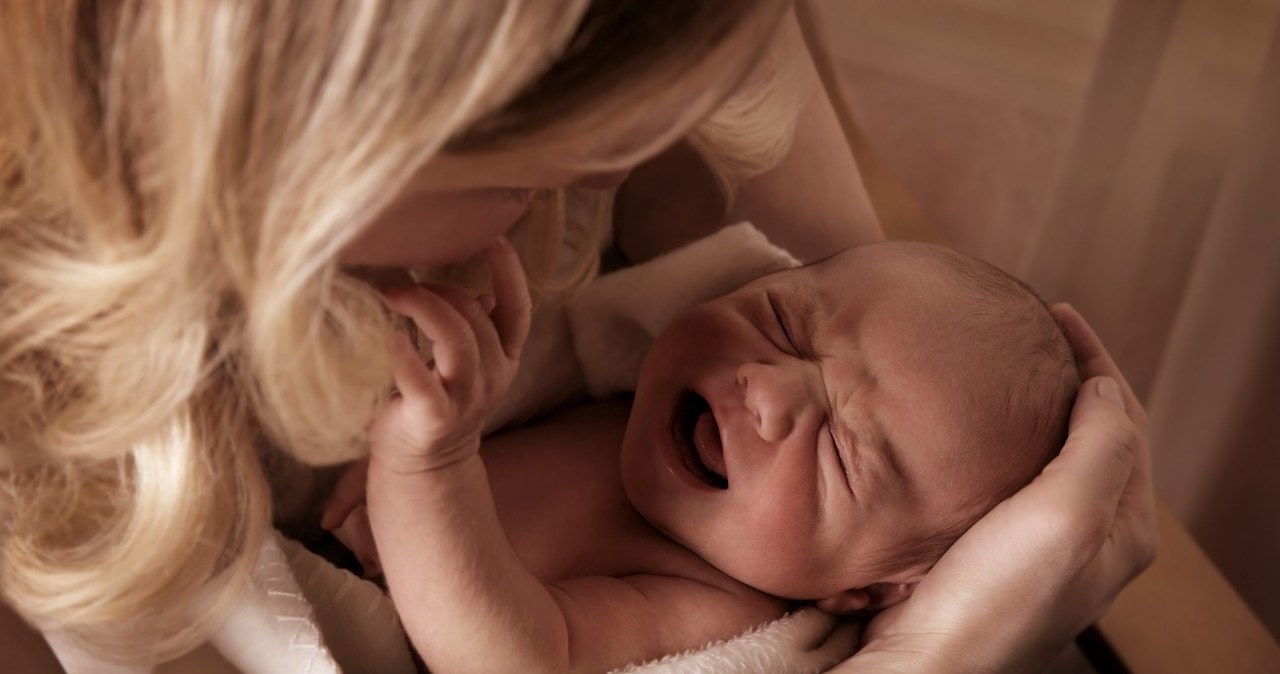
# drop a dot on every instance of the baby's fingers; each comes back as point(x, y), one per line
point(348, 493)
point(412, 377)
point(512, 312)
point(476, 312)
point(355, 533)
point(453, 339)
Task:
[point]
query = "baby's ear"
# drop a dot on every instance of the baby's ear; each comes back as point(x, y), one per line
point(873, 597)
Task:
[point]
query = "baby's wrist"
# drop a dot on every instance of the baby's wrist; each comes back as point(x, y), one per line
point(445, 456)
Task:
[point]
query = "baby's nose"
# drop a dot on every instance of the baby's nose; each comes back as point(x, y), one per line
point(774, 395)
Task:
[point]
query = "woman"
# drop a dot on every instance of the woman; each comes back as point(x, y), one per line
point(195, 195)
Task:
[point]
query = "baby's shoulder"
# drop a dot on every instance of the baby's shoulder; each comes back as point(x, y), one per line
point(690, 610)
point(588, 425)
point(668, 566)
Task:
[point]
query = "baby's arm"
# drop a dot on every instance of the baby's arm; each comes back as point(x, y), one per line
point(467, 601)
point(460, 590)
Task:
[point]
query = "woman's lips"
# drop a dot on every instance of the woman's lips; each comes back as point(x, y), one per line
point(697, 439)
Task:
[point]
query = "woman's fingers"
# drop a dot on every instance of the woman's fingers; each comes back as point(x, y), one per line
point(1045, 563)
point(1098, 458)
point(1135, 528)
point(513, 310)
point(1093, 357)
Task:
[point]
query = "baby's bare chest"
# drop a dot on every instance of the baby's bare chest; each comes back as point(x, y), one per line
point(559, 495)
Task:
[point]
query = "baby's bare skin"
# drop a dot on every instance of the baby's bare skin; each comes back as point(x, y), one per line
point(558, 494)
point(827, 393)
point(524, 559)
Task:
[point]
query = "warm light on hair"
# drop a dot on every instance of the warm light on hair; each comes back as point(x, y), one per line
point(176, 181)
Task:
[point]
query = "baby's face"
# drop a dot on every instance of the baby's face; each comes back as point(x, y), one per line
point(804, 427)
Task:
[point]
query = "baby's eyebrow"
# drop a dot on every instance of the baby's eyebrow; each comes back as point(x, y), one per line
point(889, 467)
point(802, 307)
point(879, 455)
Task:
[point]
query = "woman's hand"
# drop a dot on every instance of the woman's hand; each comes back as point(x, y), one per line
point(437, 417)
point(1045, 564)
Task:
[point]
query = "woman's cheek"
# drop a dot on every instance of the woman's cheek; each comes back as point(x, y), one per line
point(436, 228)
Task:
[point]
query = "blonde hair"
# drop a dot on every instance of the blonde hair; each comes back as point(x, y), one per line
point(171, 208)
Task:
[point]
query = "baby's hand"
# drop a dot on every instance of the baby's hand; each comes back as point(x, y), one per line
point(436, 419)
point(347, 518)
point(348, 494)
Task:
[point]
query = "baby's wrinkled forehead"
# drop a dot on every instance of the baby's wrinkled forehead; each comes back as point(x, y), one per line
point(1022, 372)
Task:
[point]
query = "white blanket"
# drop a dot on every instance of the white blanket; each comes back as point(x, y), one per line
point(302, 614)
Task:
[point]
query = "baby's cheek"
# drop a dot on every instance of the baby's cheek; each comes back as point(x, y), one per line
point(777, 530)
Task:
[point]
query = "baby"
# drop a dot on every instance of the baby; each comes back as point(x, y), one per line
point(821, 434)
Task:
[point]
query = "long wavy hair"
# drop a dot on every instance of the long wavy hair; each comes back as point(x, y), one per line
point(176, 181)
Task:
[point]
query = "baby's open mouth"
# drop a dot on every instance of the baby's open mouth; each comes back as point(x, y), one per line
point(697, 436)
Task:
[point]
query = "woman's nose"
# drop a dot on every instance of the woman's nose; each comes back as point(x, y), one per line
point(776, 395)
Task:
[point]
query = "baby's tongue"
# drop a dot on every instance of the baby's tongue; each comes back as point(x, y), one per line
point(706, 440)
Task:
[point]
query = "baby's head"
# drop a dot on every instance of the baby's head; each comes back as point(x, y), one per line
point(827, 432)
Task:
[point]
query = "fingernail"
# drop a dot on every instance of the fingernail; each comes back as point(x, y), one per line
point(1109, 390)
